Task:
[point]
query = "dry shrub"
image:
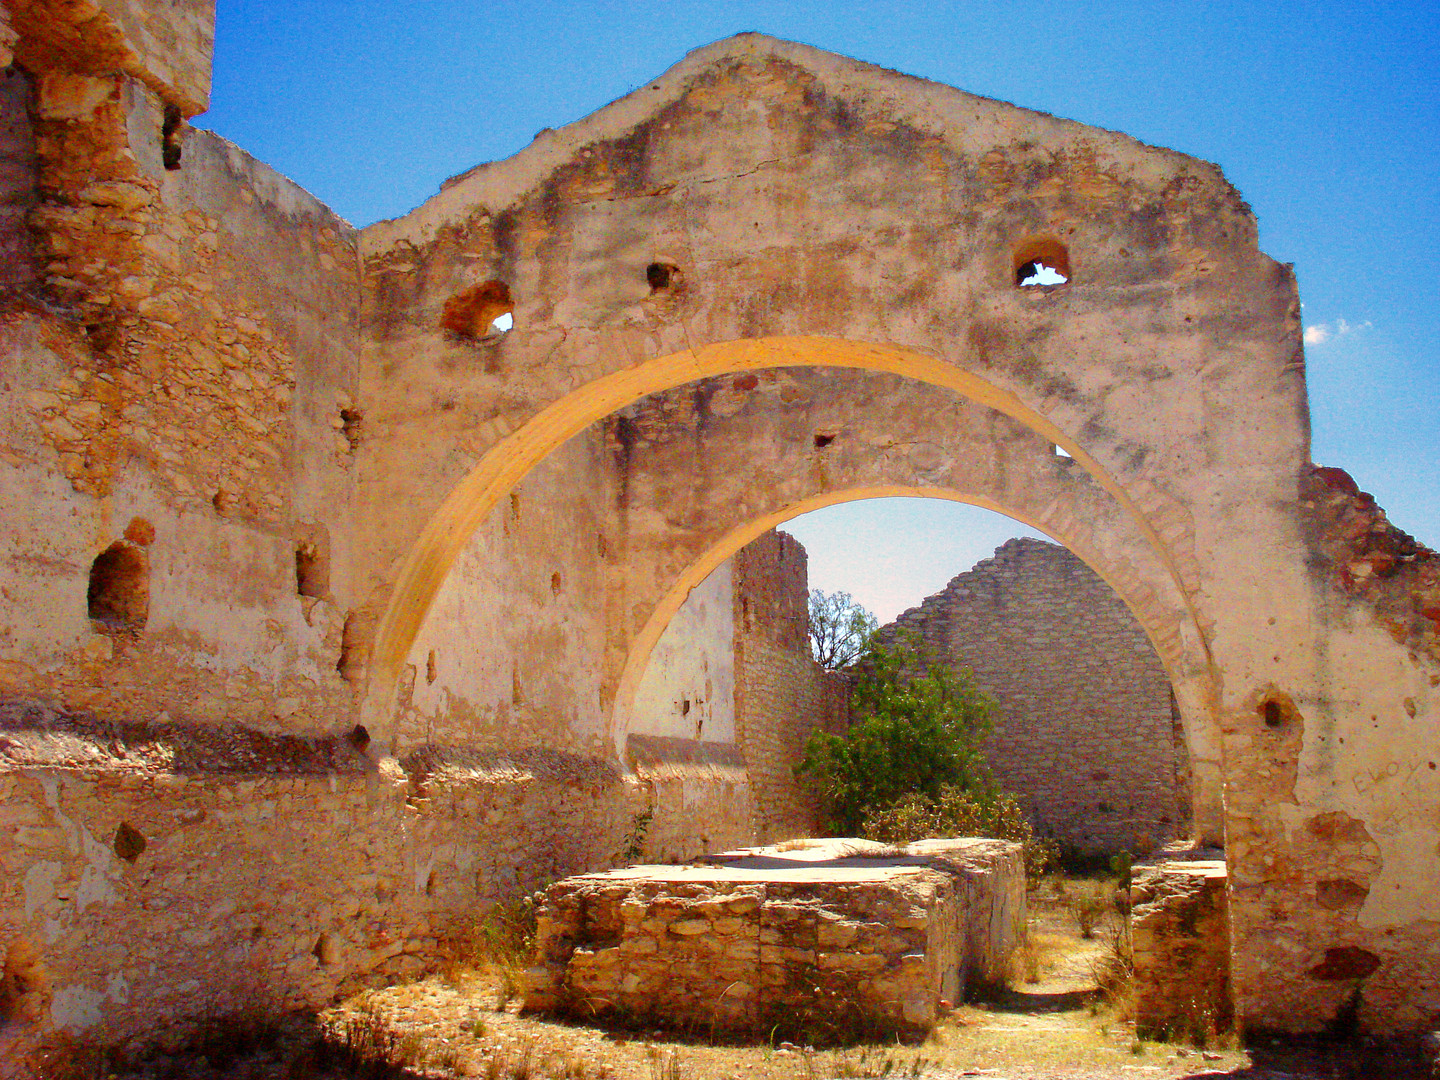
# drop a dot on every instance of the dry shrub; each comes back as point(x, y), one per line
point(1089, 902)
point(960, 812)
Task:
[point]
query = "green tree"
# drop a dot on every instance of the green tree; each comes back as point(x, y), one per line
point(919, 728)
point(840, 629)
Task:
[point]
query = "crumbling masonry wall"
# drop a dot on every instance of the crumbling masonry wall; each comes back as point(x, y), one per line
point(1085, 731)
point(793, 941)
point(781, 693)
point(243, 448)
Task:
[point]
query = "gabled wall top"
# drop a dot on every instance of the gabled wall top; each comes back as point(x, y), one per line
point(968, 124)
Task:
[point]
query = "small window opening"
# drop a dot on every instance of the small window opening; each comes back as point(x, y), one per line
point(359, 737)
point(171, 134)
point(822, 440)
point(556, 583)
point(128, 843)
point(515, 506)
point(1274, 715)
point(1042, 261)
point(663, 277)
point(517, 692)
point(480, 313)
point(685, 707)
point(312, 575)
point(118, 598)
point(350, 426)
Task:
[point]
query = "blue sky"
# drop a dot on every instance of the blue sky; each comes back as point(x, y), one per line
point(1325, 116)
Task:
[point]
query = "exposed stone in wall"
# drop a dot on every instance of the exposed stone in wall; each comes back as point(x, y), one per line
point(165, 43)
point(18, 270)
point(1180, 934)
point(1086, 731)
point(799, 941)
point(781, 693)
point(1362, 555)
point(157, 876)
point(183, 357)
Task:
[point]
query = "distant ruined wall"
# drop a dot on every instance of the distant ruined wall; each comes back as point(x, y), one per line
point(781, 693)
point(1085, 732)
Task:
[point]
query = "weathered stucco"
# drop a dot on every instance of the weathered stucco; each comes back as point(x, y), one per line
point(768, 280)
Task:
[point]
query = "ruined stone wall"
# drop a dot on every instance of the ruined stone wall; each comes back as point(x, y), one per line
point(157, 876)
point(1085, 731)
point(191, 393)
point(180, 374)
point(775, 943)
point(1180, 939)
point(781, 693)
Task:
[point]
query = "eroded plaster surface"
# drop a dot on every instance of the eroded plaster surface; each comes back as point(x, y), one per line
point(291, 449)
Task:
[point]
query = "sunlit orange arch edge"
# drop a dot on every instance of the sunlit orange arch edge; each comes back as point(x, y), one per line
point(506, 463)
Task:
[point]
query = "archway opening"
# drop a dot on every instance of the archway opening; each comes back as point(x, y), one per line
point(1086, 734)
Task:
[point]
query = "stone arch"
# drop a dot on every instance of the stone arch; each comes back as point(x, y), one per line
point(1192, 684)
point(445, 534)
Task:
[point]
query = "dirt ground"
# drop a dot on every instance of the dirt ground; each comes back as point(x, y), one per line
point(462, 1025)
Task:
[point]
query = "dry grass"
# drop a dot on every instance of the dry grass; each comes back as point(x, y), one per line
point(1068, 1015)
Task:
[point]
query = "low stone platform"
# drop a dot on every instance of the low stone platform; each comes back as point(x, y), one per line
point(807, 937)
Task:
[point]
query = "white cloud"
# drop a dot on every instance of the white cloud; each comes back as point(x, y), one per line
point(1320, 333)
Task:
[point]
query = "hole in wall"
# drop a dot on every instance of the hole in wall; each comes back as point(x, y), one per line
point(480, 313)
point(325, 951)
point(517, 692)
point(105, 336)
point(350, 426)
point(685, 707)
point(1062, 453)
point(23, 983)
point(224, 502)
point(118, 597)
point(663, 277)
point(823, 440)
point(171, 137)
point(1043, 260)
point(349, 665)
point(1277, 711)
point(556, 583)
point(312, 571)
point(128, 842)
point(431, 669)
point(514, 506)
point(359, 737)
